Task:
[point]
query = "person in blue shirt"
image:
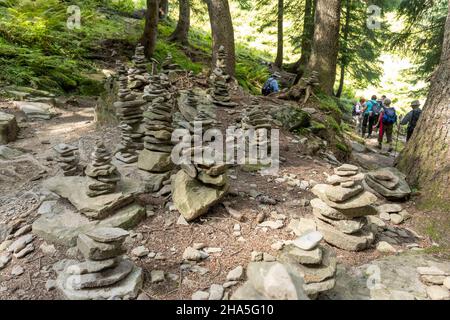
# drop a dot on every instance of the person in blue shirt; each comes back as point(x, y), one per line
point(369, 117)
point(271, 85)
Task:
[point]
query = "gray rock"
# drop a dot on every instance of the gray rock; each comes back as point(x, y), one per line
point(383, 246)
point(256, 256)
point(127, 287)
point(200, 295)
point(99, 279)
point(302, 226)
point(20, 243)
point(140, 251)
point(216, 292)
point(107, 235)
point(341, 194)
point(314, 288)
point(308, 241)
point(438, 293)
point(50, 285)
point(17, 271)
point(192, 254)
point(4, 259)
point(90, 266)
point(272, 224)
point(303, 256)
point(47, 207)
point(399, 192)
point(396, 218)
point(439, 280)
point(8, 128)
point(48, 249)
point(230, 284)
point(390, 208)
point(93, 250)
point(235, 274)
point(24, 230)
point(25, 251)
point(157, 276)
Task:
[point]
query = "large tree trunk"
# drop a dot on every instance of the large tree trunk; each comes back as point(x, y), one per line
point(279, 59)
point(325, 45)
point(148, 39)
point(426, 158)
point(222, 32)
point(344, 59)
point(180, 34)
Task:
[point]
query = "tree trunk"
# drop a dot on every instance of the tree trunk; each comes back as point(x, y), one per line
point(222, 32)
point(325, 46)
point(180, 34)
point(148, 39)
point(426, 157)
point(163, 9)
point(344, 59)
point(279, 59)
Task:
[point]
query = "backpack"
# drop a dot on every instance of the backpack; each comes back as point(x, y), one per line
point(377, 106)
point(390, 116)
point(267, 88)
point(415, 117)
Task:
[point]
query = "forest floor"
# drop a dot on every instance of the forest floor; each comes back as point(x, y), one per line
point(160, 233)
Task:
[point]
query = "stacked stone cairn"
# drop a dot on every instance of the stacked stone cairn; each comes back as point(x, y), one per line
point(138, 75)
point(158, 134)
point(255, 118)
point(167, 66)
point(104, 175)
point(389, 183)
point(129, 108)
point(104, 274)
point(202, 182)
point(158, 86)
point(221, 95)
point(126, 151)
point(314, 262)
point(340, 211)
point(67, 159)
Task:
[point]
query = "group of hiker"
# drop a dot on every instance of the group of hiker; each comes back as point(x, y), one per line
point(380, 114)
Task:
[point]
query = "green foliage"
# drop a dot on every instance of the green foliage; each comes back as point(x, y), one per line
point(423, 33)
point(342, 146)
point(328, 103)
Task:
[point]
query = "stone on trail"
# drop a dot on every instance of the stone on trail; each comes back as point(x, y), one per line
point(308, 241)
point(7, 153)
point(8, 128)
point(235, 274)
point(302, 226)
point(192, 198)
point(17, 271)
point(200, 295)
point(390, 208)
point(383, 246)
point(107, 235)
point(396, 218)
point(157, 276)
point(388, 182)
point(154, 161)
point(272, 224)
point(192, 254)
point(4, 259)
point(20, 243)
point(216, 292)
point(140, 251)
point(438, 293)
point(63, 226)
point(36, 110)
point(22, 253)
point(94, 250)
point(90, 266)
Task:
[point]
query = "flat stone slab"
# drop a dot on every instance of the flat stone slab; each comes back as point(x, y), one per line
point(8, 128)
point(36, 110)
point(129, 286)
point(107, 235)
point(62, 226)
point(308, 241)
point(91, 266)
point(100, 279)
point(74, 189)
point(94, 250)
point(304, 256)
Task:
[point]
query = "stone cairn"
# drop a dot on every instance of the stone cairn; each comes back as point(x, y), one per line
point(104, 274)
point(255, 118)
point(167, 66)
point(129, 108)
point(158, 86)
point(389, 183)
point(314, 262)
point(67, 159)
point(126, 151)
point(104, 175)
point(138, 75)
point(158, 134)
point(221, 95)
point(340, 211)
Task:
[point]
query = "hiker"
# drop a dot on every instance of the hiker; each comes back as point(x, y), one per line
point(271, 85)
point(386, 121)
point(411, 118)
point(356, 113)
point(368, 116)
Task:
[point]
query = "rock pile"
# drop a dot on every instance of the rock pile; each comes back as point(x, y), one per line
point(255, 118)
point(104, 274)
point(126, 151)
point(340, 212)
point(138, 75)
point(389, 183)
point(129, 108)
point(104, 175)
point(167, 66)
point(221, 95)
point(315, 263)
point(158, 86)
point(202, 182)
point(345, 173)
point(393, 212)
point(67, 159)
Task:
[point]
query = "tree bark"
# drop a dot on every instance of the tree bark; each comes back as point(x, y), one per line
point(426, 157)
point(149, 37)
point(222, 32)
point(344, 60)
point(325, 46)
point(180, 34)
point(279, 59)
